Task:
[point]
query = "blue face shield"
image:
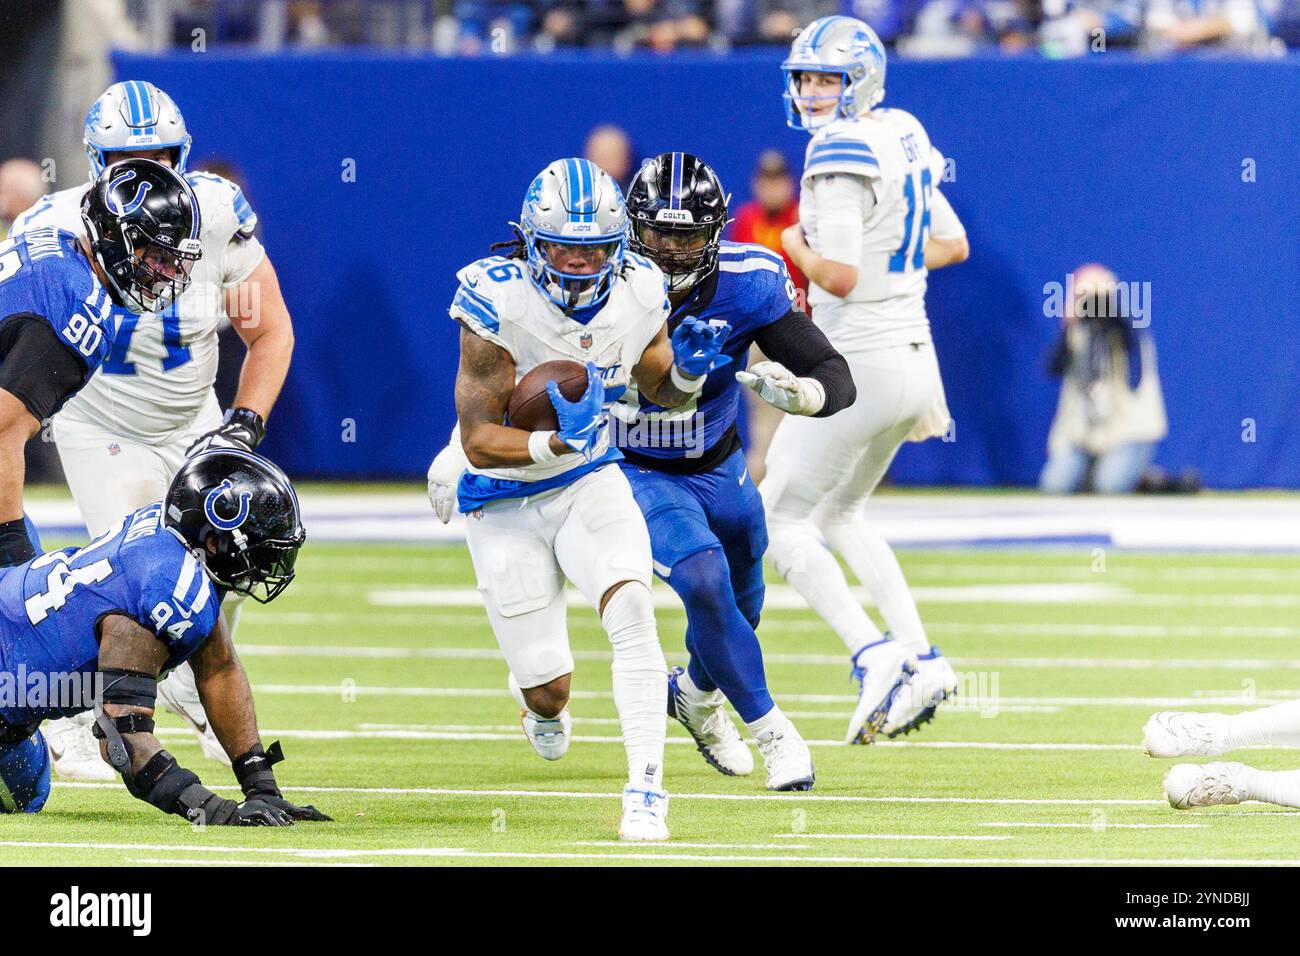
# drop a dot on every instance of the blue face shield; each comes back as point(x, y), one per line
point(574, 290)
point(798, 108)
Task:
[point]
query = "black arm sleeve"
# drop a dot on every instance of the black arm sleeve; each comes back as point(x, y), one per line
point(36, 366)
point(797, 343)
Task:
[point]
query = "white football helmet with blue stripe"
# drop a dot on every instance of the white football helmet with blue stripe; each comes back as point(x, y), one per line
point(572, 202)
point(134, 115)
point(840, 45)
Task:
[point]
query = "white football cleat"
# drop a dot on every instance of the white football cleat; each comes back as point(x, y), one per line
point(1176, 733)
point(707, 721)
point(181, 697)
point(882, 670)
point(788, 761)
point(915, 704)
point(549, 737)
point(1210, 785)
point(645, 816)
point(75, 751)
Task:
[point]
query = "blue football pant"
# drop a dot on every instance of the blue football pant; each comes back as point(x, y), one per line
point(708, 536)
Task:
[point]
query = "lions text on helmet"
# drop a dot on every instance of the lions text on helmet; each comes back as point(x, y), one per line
point(143, 223)
point(835, 70)
point(573, 222)
point(136, 117)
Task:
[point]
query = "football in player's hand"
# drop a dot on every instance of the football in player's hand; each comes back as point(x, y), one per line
point(530, 407)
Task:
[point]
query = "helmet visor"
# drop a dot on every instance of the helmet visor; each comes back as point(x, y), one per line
point(269, 569)
point(683, 253)
point(577, 260)
point(578, 269)
point(159, 273)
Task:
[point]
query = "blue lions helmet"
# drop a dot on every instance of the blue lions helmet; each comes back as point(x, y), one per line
point(134, 115)
point(840, 45)
point(574, 224)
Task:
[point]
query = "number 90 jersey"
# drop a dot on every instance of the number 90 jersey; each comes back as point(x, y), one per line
point(498, 302)
point(889, 149)
point(51, 606)
point(158, 377)
point(46, 274)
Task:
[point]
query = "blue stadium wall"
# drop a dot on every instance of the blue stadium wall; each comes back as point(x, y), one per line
point(1134, 163)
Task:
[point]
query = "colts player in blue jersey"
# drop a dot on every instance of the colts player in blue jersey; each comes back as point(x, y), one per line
point(687, 469)
point(62, 299)
point(93, 628)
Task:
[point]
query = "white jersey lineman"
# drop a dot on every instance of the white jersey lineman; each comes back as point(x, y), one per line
point(122, 438)
point(870, 199)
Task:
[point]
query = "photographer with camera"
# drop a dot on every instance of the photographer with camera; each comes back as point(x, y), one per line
point(1111, 414)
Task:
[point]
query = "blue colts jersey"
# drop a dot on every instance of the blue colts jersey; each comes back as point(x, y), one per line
point(44, 273)
point(750, 289)
point(51, 606)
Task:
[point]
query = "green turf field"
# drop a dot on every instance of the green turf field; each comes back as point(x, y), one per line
point(391, 704)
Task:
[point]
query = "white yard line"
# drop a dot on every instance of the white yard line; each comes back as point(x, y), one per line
point(781, 597)
point(742, 797)
point(1099, 827)
point(506, 734)
point(952, 837)
point(254, 649)
point(174, 861)
point(673, 845)
point(987, 703)
point(659, 854)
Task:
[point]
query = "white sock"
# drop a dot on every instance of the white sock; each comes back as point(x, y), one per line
point(812, 570)
point(1278, 725)
point(639, 675)
point(773, 722)
point(693, 693)
point(1281, 787)
point(874, 564)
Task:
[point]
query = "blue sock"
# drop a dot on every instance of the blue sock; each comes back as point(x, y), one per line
point(718, 636)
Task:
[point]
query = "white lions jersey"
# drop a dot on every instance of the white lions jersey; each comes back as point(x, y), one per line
point(498, 302)
point(159, 375)
point(890, 150)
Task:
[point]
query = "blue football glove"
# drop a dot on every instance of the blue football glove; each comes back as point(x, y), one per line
point(697, 346)
point(581, 422)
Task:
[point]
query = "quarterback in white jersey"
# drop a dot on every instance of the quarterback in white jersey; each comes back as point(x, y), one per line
point(124, 436)
point(549, 505)
point(872, 223)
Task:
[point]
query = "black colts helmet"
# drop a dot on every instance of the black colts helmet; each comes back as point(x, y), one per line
point(143, 222)
point(676, 210)
point(240, 514)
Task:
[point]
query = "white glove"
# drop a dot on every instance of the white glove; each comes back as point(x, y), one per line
point(780, 388)
point(444, 476)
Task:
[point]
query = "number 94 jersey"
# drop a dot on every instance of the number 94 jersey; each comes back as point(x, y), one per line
point(51, 606)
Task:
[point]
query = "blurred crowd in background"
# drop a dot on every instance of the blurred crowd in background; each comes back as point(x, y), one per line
point(922, 28)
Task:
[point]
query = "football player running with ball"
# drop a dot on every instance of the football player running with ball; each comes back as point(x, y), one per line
point(549, 505)
point(872, 223)
point(152, 404)
point(687, 468)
